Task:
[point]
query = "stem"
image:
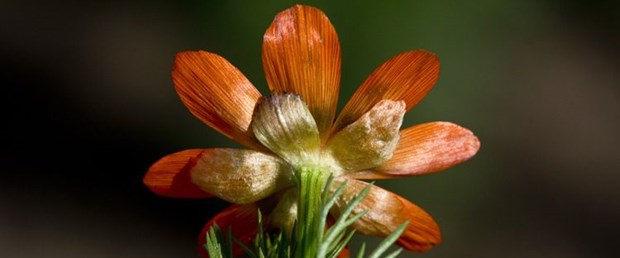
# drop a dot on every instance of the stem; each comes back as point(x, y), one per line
point(310, 182)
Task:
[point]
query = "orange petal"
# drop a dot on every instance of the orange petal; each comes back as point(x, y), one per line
point(170, 176)
point(426, 148)
point(408, 76)
point(386, 211)
point(217, 93)
point(301, 54)
point(242, 221)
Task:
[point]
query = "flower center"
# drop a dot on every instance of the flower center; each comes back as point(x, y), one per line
point(284, 124)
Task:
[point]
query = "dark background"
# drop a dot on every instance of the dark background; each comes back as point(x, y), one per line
point(88, 104)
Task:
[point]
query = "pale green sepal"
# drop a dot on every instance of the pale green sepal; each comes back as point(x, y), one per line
point(241, 176)
point(284, 214)
point(283, 124)
point(371, 140)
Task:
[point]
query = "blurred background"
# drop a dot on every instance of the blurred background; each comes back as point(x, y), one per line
point(88, 105)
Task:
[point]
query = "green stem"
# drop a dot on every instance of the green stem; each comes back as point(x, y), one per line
point(310, 183)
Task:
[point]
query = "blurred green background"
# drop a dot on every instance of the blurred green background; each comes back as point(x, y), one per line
point(88, 104)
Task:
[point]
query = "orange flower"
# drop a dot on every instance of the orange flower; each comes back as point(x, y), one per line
point(295, 129)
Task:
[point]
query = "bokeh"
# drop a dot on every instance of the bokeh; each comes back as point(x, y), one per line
point(88, 104)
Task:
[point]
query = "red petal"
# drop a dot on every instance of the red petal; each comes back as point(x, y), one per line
point(170, 176)
point(242, 221)
point(344, 254)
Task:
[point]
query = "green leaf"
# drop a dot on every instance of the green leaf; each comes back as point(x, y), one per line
point(388, 241)
point(395, 253)
point(310, 238)
point(340, 224)
point(361, 252)
point(212, 245)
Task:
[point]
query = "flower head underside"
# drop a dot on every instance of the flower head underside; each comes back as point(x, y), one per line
point(296, 128)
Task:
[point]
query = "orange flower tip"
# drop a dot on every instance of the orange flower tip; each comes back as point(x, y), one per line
point(184, 54)
point(464, 139)
point(432, 56)
point(170, 176)
point(188, 59)
point(422, 231)
point(420, 239)
point(416, 247)
point(473, 146)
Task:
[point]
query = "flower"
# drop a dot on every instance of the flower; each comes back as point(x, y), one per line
point(295, 129)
